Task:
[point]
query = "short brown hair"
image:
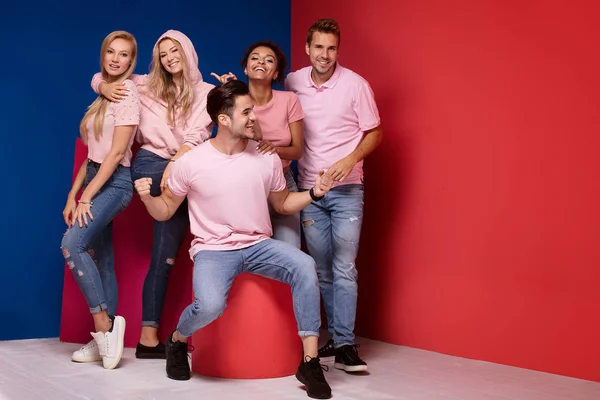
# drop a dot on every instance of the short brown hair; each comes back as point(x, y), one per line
point(325, 25)
point(221, 99)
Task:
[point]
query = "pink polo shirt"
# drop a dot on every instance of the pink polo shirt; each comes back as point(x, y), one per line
point(337, 115)
point(227, 195)
point(126, 112)
point(276, 116)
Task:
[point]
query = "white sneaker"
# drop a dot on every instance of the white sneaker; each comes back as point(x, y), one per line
point(110, 344)
point(87, 353)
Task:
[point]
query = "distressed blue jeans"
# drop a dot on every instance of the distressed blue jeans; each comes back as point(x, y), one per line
point(89, 250)
point(214, 272)
point(167, 238)
point(331, 229)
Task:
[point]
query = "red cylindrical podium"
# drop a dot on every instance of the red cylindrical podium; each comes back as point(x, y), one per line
point(256, 337)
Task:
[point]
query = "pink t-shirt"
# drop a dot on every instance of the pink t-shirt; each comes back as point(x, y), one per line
point(126, 112)
point(337, 115)
point(276, 116)
point(227, 195)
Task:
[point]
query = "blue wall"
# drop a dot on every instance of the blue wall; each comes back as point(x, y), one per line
point(49, 54)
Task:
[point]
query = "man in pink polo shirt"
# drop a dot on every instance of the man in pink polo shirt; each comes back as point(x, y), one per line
point(229, 186)
point(341, 128)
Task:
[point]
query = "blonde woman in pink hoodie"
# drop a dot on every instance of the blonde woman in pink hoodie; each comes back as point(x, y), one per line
point(173, 120)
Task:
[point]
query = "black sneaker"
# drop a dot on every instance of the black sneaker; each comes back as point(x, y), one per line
point(347, 359)
point(157, 352)
point(328, 350)
point(310, 373)
point(178, 367)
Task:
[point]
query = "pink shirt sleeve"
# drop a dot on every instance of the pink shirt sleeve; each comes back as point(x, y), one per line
point(199, 132)
point(200, 127)
point(139, 79)
point(277, 179)
point(179, 178)
point(97, 79)
point(127, 111)
point(295, 111)
point(366, 108)
point(288, 84)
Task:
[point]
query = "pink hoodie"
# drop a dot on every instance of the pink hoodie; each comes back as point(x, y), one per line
point(154, 132)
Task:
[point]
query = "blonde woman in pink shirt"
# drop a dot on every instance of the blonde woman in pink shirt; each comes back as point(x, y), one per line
point(108, 130)
point(173, 121)
point(280, 116)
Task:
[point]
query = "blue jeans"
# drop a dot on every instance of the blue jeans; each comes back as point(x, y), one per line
point(214, 272)
point(287, 227)
point(168, 236)
point(332, 232)
point(89, 251)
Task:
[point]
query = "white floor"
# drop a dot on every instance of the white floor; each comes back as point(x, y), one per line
point(41, 369)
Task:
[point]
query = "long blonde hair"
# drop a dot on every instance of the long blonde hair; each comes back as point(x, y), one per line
point(99, 106)
point(161, 85)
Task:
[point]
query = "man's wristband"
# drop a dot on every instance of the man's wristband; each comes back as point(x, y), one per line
point(313, 195)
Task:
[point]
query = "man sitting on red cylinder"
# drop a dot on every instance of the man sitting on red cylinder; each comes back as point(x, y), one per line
point(229, 186)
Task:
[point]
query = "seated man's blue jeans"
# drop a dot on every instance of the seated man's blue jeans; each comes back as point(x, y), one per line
point(214, 272)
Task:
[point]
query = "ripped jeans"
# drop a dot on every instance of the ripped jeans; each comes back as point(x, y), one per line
point(331, 229)
point(167, 238)
point(89, 250)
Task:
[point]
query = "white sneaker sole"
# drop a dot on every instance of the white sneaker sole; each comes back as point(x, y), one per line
point(350, 368)
point(120, 343)
point(88, 359)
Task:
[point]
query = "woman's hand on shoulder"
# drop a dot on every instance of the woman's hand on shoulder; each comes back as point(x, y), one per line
point(115, 91)
point(266, 147)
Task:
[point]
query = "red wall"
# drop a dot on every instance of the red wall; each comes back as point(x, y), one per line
point(482, 217)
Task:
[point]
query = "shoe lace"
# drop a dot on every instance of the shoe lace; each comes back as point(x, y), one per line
point(351, 351)
point(180, 352)
point(316, 368)
point(103, 350)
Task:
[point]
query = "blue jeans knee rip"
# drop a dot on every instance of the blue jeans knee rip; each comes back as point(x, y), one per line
point(67, 257)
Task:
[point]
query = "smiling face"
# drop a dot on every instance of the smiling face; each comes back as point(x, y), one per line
point(171, 56)
point(242, 118)
point(118, 57)
point(323, 53)
point(262, 64)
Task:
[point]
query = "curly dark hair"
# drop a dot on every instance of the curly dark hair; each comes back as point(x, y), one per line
point(281, 59)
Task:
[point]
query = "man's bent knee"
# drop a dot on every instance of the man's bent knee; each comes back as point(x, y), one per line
point(212, 310)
